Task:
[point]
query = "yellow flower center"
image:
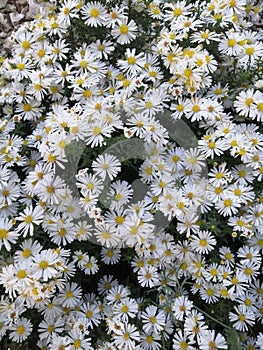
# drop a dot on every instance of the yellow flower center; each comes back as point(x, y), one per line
point(43, 264)
point(94, 12)
point(21, 274)
point(231, 42)
point(3, 233)
point(124, 29)
point(20, 329)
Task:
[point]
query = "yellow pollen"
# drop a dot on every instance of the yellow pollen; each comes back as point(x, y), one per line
point(177, 12)
point(231, 42)
point(20, 329)
point(20, 66)
point(94, 12)
point(41, 53)
point(69, 294)
point(21, 274)
point(43, 264)
point(51, 328)
point(28, 219)
point(131, 60)
point(203, 243)
point(3, 233)
point(250, 50)
point(50, 189)
point(124, 309)
point(26, 253)
point(249, 101)
point(227, 202)
point(124, 29)
point(77, 343)
point(153, 319)
point(119, 220)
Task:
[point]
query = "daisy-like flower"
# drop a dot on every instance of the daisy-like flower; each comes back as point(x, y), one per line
point(106, 165)
point(242, 318)
point(148, 276)
point(245, 103)
point(219, 176)
point(174, 11)
point(211, 147)
point(124, 32)
point(20, 330)
point(91, 313)
point(125, 309)
point(7, 236)
point(203, 242)
point(68, 10)
point(205, 36)
point(181, 307)
point(88, 182)
point(211, 340)
point(251, 54)
point(29, 217)
point(110, 256)
point(28, 248)
point(70, 296)
point(127, 337)
point(59, 342)
point(150, 341)
point(44, 264)
point(117, 293)
point(237, 282)
point(94, 14)
point(182, 342)
point(90, 265)
point(51, 189)
point(227, 205)
point(231, 43)
point(106, 235)
point(153, 320)
point(95, 136)
point(133, 63)
point(79, 340)
point(209, 292)
point(120, 193)
point(102, 48)
point(47, 328)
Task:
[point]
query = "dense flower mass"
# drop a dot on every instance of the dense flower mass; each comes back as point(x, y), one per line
point(131, 166)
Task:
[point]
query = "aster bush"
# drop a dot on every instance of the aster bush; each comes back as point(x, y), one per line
point(131, 165)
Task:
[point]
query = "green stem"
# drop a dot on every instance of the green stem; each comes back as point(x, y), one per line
point(212, 318)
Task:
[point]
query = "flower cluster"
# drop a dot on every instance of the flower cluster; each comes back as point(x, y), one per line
point(131, 165)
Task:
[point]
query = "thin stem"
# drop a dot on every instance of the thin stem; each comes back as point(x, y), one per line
point(212, 318)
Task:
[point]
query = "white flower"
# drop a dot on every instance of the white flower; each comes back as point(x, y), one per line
point(44, 265)
point(20, 330)
point(106, 164)
point(124, 32)
point(203, 242)
point(94, 14)
point(7, 236)
point(29, 217)
point(153, 319)
point(242, 318)
point(211, 340)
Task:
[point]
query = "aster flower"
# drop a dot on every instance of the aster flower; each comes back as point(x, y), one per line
point(124, 32)
point(7, 235)
point(94, 14)
point(21, 330)
point(242, 318)
point(203, 242)
point(29, 217)
point(106, 165)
